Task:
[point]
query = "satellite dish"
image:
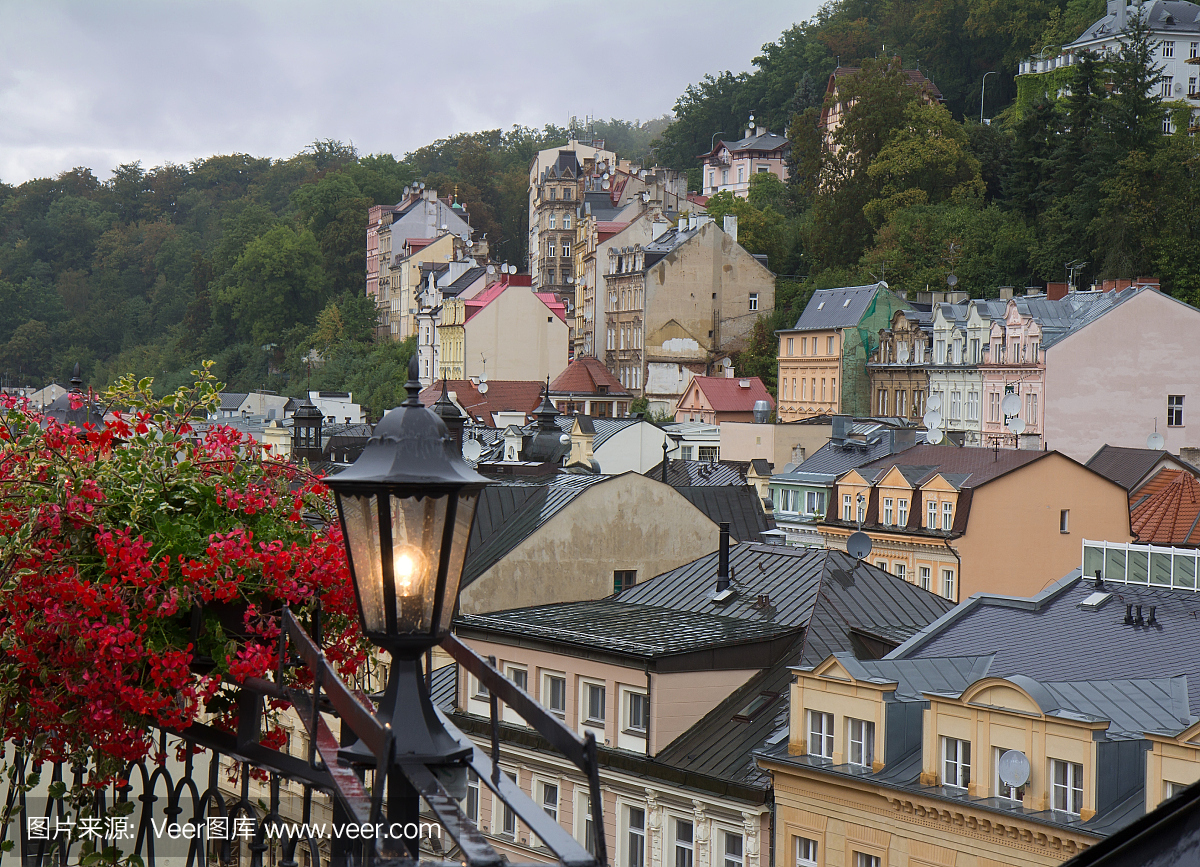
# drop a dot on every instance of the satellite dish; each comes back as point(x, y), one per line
point(951, 280)
point(902, 353)
point(470, 243)
point(483, 377)
point(1013, 768)
point(491, 269)
point(727, 361)
point(606, 176)
point(934, 435)
point(604, 185)
point(483, 387)
point(935, 401)
point(472, 450)
point(858, 545)
point(1016, 424)
point(787, 468)
point(1011, 404)
point(932, 419)
point(1156, 442)
point(565, 439)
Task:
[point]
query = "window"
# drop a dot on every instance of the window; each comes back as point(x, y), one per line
point(1175, 410)
point(471, 804)
point(1031, 409)
point(815, 502)
point(566, 249)
point(623, 579)
point(1064, 518)
point(955, 405)
point(804, 345)
point(862, 859)
point(948, 583)
point(972, 406)
point(994, 406)
point(1167, 82)
point(1192, 86)
point(762, 170)
point(593, 694)
point(1170, 790)
point(881, 565)
point(566, 218)
point(862, 507)
point(820, 734)
point(636, 840)
point(862, 742)
point(1195, 50)
point(685, 851)
point(708, 453)
point(887, 511)
point(924, 572)
point(931, 515)
point(733, 850)
point(881, 406)
point(550, 193)
point(724, 176)
point(846, 508)
point(553, 221)
point(1003, 789)
point(939, 350)
point(956, 763)
point(519, 676)
point(589, 829)
point(1066, 786)
point(975, 350)
point(833, 389)
point(822, 388)
point(903, 518)
point(805, 852)
point(900, 393)
point(829, 346)
point(554, 693)
point(947, 516)
point(685, 452)
point(1168, 49)
point(638, 714)
point(753, 301)
point(478, 690)
point(899, 569)
point(790, 343)
point(550, 800)
point(741, 173)
point(508, 827)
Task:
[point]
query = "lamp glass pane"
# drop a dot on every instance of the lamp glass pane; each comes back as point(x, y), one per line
point(361, 515)
point(417, 526)
point(463, 516)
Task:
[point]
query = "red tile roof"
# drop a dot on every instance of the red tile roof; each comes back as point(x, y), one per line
point(584, 376)
point(726, 394)
point(510, 394)
point(1167, 510)
point(558, 308)
point(491, 293)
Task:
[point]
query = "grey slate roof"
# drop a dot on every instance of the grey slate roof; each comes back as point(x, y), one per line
point(915, 677)
point(1161, 15)
point(737, 504)
point(833, 459)
point(442, 687)
point(464, 281)
point(837, 308)
point(701, 473)
point(640, 630)
point(231, 400)
point(767, 141)
point(1127, 466)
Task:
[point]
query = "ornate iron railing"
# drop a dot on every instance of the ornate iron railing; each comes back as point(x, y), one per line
point(174, 814)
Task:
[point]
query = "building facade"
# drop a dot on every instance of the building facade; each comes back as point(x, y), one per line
point(729, 166)
point(898, 370)
point(961, 334)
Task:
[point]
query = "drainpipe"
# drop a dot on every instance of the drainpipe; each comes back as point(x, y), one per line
point(650, 714)
point(946, 540)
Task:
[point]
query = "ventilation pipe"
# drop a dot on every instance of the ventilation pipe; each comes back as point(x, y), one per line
point(723, 559)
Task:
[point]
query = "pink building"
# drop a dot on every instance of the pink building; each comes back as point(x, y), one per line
point(731, 164)
point(1014, 363)
point(716, 399)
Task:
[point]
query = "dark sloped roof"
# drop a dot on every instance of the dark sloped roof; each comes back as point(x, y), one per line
point(443, 686)
point(972, 466)
point(701, 473)
point(510, 510)
point(837, 308)
point(1126, 466)
point(1133, 705)
point(1031, 637)
point(915, 677)
point(464, 281)
point(640, 630)
point(737, 504)
point(833, 459)
point(232, 399)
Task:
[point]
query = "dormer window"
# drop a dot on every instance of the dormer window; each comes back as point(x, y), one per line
point(1066, 786)
point(820, 734)
point(956, 763)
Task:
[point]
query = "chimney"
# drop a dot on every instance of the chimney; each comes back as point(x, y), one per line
point(723, 559)
point(841, 425)
point(1057, 291)
point(730, 226)
point(1006, 293)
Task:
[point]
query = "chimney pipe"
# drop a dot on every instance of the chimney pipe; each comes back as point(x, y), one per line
point(1099, 581)
point(1153, 621)
point(1129, 615)
point(1138, 620)
point(723, 559)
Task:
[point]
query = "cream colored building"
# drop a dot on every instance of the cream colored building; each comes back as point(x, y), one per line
point(898, 761)
point(397, 299)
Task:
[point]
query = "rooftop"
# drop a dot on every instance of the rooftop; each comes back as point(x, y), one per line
point(586, 375)
point(1167, 511)
point(701, 473)
point(972, 466)
point(838, 308)
point(1128, 467)
point(731, 394)
point(502, 395)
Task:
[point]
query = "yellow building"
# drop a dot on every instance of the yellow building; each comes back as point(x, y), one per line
point(398, 302)
point(1009, 732)
point(960, 521)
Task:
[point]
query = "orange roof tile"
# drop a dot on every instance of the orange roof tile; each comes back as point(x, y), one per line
point(1167, 510)
point(502, 395)
point(725, 394)
point(584, 376)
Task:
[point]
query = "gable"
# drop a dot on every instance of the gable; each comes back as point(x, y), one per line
point(939, 483)
point(894, 479)
point(1002, 695)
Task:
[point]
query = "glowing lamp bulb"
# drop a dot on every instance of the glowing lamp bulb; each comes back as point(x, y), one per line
point(409, 570)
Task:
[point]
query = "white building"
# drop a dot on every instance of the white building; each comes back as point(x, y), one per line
point(1174, 31)
point(960, 339)
point(338, 406)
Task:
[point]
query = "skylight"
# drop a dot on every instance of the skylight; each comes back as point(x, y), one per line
point(846, 303)
point(822, 304)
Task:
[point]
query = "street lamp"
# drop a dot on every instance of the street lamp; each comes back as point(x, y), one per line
point(982, 90)
point(406, 508)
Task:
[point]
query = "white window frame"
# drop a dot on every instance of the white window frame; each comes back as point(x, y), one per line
point(902, 516)
point(888, 511)
point(948, 583)
point(804, 851)
point(925, 577)
point(583, 819)
point(847, 507)
point(585, 703)
point(820, 734)
point(956, 763)
point(630, 698)
point(947, 516)
point(860, 735)
point(470, 804)
point(900, 570)
point(753, 301)
point(931, 515)
point(733, 859)
point(504, 815)
point(865, 859)
point(551, 806)
point(548, 694)
point(685, 850)
point(518, 675)
point(635, 837)
point(1068, 793)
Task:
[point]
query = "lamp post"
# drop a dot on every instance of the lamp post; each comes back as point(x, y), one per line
point(982, 90)
point(406, 508)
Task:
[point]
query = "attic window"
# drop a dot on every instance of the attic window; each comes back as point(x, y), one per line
point(756, 706)
point(846, 303)
point(821, 305)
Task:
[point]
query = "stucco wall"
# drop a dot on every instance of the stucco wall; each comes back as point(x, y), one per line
point(637, 448)
point(679, 701)
point(1108, 382)
point(628, 522)
point(520, 336)
point(1013, 544)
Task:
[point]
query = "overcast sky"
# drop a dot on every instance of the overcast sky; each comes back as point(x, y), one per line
point(104, 83)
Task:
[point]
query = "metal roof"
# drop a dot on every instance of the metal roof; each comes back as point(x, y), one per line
point(833, 459)
point(1050, 639)
point(701, 473)
point(915, 677)
point(737, 504)
point(1127, 466)
point(837, 308)
point(232, 399)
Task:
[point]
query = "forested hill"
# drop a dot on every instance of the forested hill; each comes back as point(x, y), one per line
point(256, 262)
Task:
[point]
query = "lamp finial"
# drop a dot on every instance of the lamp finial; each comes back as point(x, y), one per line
point(413, 386)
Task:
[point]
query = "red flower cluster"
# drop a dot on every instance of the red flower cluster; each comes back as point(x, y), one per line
point(111, 536)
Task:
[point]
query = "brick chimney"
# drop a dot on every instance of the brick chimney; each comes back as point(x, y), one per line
point(1057, 291)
